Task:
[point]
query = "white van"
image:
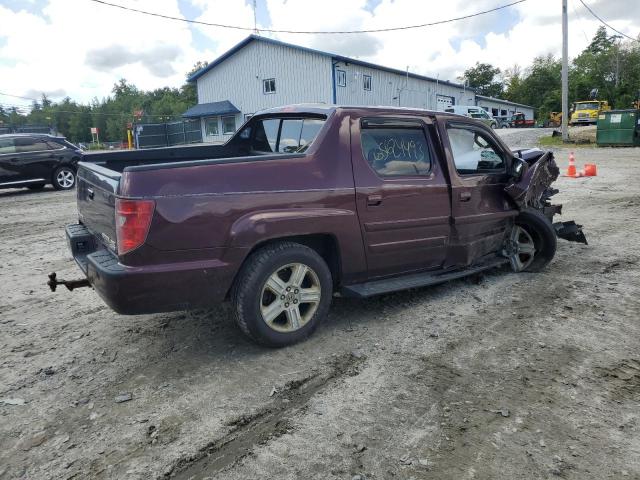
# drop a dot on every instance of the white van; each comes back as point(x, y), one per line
point(473, 111)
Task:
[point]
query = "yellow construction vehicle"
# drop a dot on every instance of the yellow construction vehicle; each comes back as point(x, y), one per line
point(554, 120)
point(586, 112)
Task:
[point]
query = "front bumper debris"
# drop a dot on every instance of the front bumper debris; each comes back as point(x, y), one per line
point(570, 231)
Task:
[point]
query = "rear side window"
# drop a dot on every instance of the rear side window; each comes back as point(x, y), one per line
point(7, 146)
point(266, 136)
point(52, 145)
point(26, 144)
point(396, 151)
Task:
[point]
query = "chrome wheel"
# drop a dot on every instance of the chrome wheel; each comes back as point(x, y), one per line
point(65, 178)
point(522, 249)
point(290, 297)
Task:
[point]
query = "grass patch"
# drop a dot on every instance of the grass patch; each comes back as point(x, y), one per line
point(551, 141)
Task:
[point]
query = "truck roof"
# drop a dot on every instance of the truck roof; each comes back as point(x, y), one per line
point(326, 109)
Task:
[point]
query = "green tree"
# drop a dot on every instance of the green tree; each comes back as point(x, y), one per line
point(484, 77)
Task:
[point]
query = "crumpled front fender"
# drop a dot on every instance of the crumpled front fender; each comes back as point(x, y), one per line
point(529, 190)
point(534, 190)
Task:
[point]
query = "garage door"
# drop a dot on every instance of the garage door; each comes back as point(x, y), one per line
point(444, 101)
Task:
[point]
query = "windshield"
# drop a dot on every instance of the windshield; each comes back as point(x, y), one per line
point(587, 106)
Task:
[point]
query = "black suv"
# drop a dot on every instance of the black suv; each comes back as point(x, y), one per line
point(33, 160)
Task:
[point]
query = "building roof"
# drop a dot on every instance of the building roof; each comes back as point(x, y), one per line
point(210, 109)
point(340, 58)
point(500, 100)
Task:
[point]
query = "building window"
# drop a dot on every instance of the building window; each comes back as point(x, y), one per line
point(228, 125)
point(341, 78)
point(211, 126)
point(366, 82)
point(269, 85)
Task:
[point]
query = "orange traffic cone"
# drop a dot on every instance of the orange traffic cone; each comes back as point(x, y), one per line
point(571, 169)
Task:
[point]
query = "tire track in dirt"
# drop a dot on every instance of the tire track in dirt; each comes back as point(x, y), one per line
point(273, 421)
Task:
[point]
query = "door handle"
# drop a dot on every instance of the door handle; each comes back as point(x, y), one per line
point(14, 160)
point(90, 193)
point(465, 196)
point(374, 200)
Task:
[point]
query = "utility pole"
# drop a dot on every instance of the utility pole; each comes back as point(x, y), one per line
point(255, 19)
point(565, 72)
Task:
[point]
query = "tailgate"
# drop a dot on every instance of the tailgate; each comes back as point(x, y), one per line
point(97, 188)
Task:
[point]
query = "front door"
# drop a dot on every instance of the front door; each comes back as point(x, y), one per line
point(480, 209)
point(402, 195)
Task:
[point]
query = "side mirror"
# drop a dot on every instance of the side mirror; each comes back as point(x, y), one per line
point(518, 168)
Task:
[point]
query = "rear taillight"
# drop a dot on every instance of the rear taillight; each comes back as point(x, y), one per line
point(133, 218)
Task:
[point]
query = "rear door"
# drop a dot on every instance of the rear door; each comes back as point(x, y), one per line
point(481, 212)
point(34, 158)
point(401, 194)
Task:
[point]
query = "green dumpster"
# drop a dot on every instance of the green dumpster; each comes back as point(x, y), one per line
point(619, 127)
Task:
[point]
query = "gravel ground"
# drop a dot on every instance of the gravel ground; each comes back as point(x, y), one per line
point(498, 376)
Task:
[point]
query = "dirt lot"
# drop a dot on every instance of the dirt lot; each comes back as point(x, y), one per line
point(500, 376)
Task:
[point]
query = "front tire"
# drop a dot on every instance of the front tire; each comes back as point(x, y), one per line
point(64, 178)
point(282, 293)
point(532, 242)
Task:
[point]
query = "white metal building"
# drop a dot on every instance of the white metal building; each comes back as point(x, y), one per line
point(500, 108)
point(261, 73)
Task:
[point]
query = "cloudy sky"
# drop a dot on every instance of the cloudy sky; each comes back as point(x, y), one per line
point(80, 48)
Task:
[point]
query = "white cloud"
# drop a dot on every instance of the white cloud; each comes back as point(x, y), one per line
point(81, 48)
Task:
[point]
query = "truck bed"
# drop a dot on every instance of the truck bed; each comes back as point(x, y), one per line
point(117, 161)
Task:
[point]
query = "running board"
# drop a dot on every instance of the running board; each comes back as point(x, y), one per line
point(415, 280)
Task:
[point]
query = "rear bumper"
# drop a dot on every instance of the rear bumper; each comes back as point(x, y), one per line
point(133, 290)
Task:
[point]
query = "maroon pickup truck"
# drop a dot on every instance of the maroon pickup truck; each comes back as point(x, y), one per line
point(305, 202)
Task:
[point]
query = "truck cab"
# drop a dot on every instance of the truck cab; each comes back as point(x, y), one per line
point(586, 113)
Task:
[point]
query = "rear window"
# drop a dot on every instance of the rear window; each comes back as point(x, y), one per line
point(283, 135)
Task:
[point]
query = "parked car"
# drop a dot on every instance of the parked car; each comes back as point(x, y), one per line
point(34, 160)
point(519, 120)
point(478, 113)
point(307, 201)
point(504, 121)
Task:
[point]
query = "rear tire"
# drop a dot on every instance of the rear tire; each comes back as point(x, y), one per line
point(282, 293)
point(64, 178)
point(541, 232)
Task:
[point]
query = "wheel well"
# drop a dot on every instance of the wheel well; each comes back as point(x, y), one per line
point(324, 244)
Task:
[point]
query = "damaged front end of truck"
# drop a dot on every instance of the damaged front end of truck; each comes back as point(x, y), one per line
point(534, 171)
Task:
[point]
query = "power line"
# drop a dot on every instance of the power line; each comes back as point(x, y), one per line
point(605, 23)
point(573, 6)
point(18, 96)
point(376, 30)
